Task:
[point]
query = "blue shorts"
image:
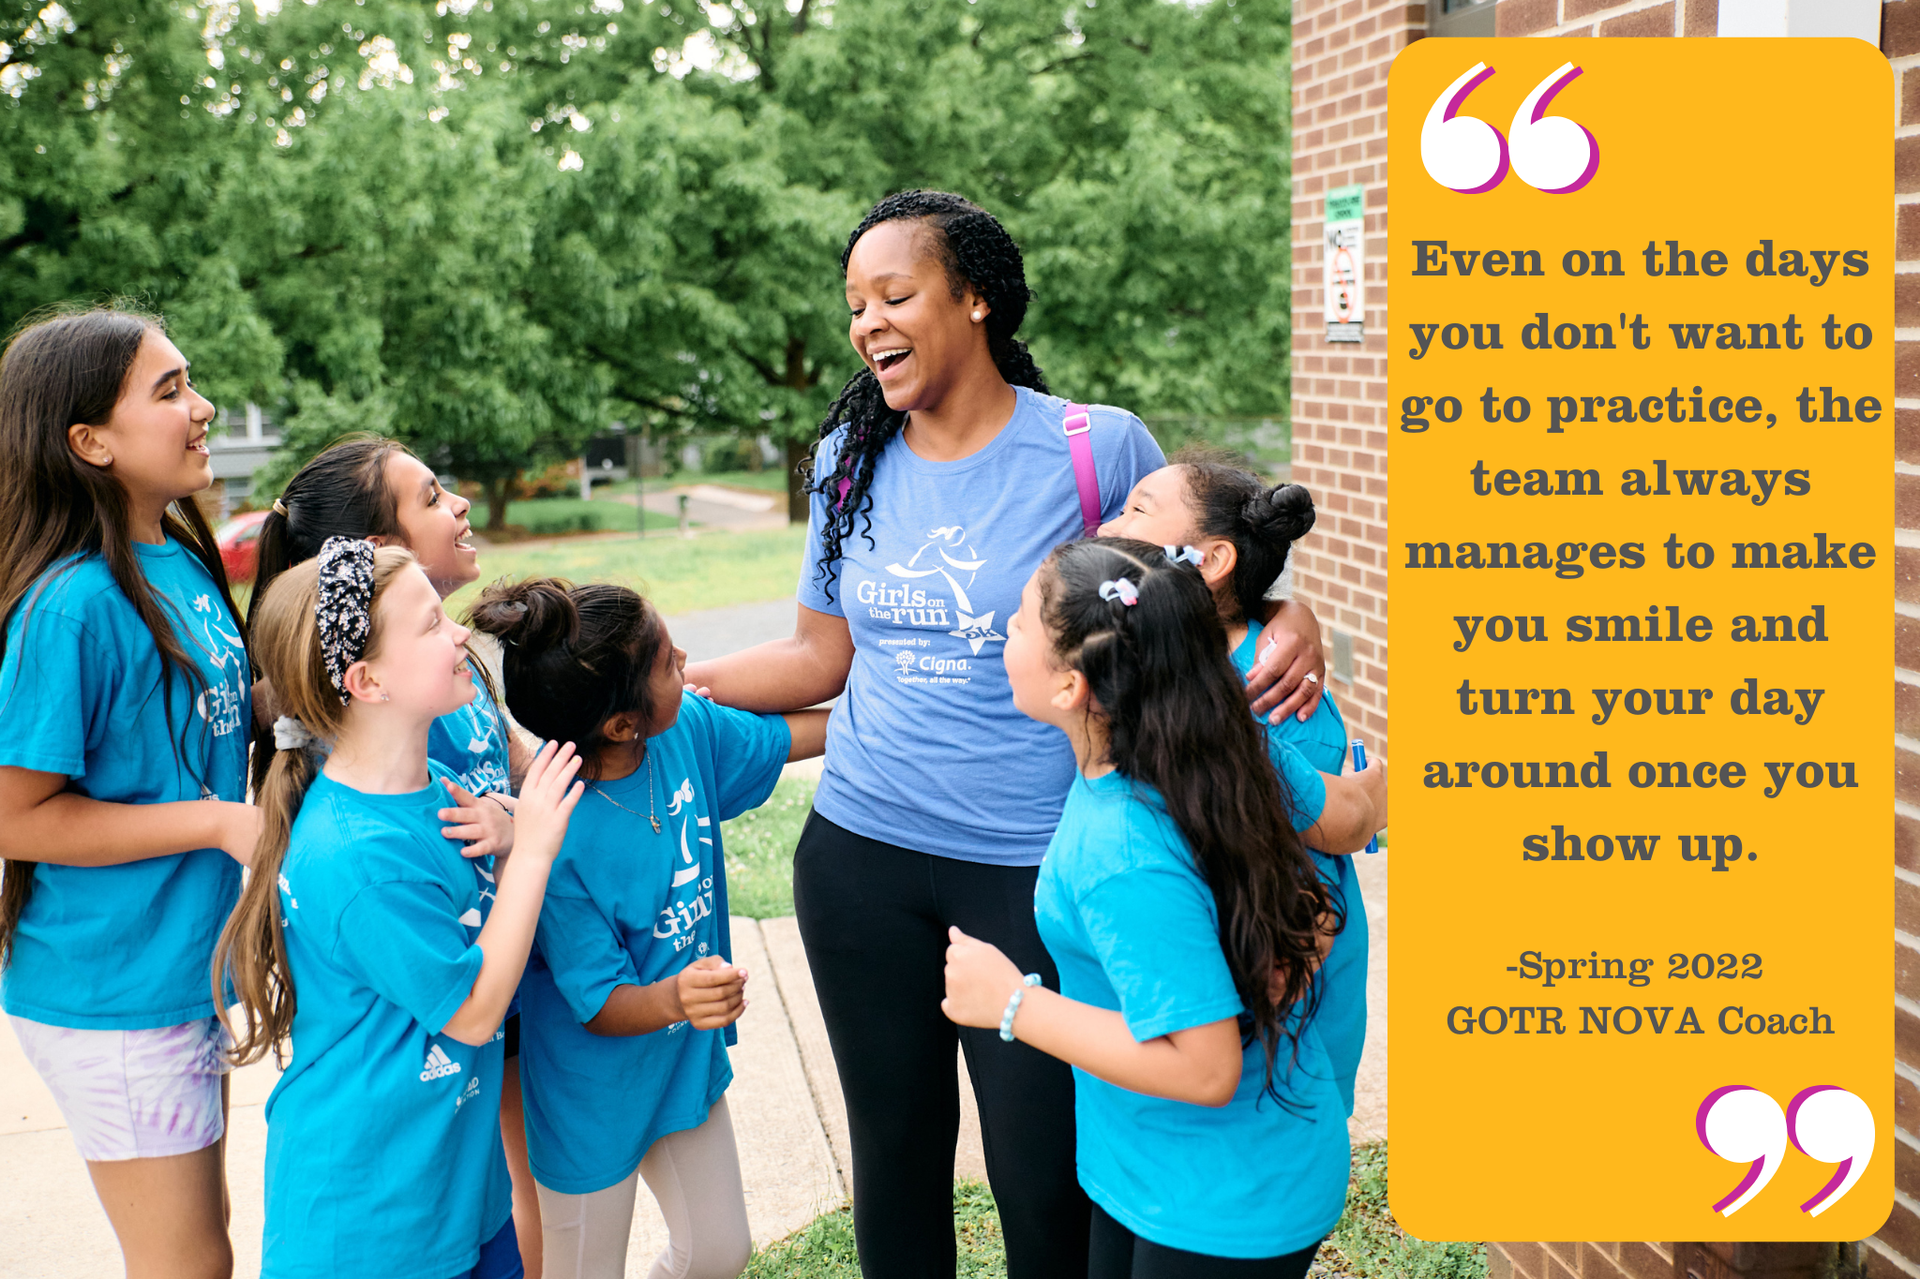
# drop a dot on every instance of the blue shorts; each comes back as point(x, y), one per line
point(499, 1257)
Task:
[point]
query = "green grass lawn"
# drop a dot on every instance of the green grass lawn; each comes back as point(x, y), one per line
point(677, 574)
point(1367, 1244)
point(824, 1249)
point(760, 847)
point(551, 516)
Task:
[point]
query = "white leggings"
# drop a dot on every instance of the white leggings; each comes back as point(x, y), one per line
point(695, 1178)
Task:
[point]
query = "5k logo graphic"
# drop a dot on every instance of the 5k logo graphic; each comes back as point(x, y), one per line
point(1550, 152)
point(1826, 1123)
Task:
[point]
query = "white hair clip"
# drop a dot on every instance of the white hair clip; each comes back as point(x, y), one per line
point(289, 734)
point(1183, 555)
point(1120, 589)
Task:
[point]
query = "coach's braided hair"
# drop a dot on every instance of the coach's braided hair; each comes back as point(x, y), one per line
point(975, 250)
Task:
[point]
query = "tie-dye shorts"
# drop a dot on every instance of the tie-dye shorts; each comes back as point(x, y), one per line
point(133, 1094)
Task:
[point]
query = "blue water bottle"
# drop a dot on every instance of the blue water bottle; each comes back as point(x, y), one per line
point(1360, 762)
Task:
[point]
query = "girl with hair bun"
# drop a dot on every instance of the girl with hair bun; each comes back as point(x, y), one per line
point(368, 486)
point(631, 998)
point(946, 471)
point(397, 957)
point(1186, 921)
point(1242, 529)
point(123, 769)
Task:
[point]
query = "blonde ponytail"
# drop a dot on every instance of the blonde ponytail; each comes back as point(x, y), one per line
point(252, 950)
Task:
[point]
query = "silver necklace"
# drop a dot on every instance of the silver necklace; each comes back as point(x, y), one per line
point(650, 800)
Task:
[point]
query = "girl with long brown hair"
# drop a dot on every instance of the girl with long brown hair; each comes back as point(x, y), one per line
point(1241, 530)
point(124, 687)
point(397, 956)
point(1186, 922)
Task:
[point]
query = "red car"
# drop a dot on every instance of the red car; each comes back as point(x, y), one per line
point(239, 542)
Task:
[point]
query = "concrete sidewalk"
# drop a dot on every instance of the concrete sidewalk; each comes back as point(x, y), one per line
point(788, 1115)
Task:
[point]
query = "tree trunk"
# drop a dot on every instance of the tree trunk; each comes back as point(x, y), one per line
point(800, 379)
point(797, 452)
point(498, 490)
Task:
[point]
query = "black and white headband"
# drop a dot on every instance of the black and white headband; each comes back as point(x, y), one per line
point(344, 613)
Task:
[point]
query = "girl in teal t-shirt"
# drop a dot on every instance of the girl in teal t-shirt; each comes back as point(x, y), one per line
point(1186, 921)
point(630, 1000)
point(124, 701)
point(1242, 530)
point(371, 487)
point(397, 957)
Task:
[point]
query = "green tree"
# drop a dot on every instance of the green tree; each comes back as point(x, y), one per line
point(490, 226)
point(1137, 148)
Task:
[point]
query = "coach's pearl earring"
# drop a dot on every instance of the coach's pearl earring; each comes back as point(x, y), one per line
point(108, 462)
point(976, 317)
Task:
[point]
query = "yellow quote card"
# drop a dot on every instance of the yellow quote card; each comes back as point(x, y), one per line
point(1641, 569)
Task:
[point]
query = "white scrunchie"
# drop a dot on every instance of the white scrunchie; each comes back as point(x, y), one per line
point(289, 734)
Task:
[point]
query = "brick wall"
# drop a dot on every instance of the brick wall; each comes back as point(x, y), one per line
point(1895, 1250)
point(1341, 54)
point(1341, 50)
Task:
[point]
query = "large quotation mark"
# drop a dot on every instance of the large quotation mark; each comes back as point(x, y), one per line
point(1468, 155)
point(1461, 153)
point(1826, 1123)
point(1833, 1126)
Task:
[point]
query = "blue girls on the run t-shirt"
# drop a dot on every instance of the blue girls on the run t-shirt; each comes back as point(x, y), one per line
point(917, 748)
point(124, 947)
point(1133, 927)
point(627, 907)
point(383, 1135)
point(1342, 1018)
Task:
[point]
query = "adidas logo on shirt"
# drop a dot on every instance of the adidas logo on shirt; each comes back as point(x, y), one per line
point(438, 1065)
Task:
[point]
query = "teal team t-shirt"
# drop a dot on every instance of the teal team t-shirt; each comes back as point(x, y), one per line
point(627, 907)
point(1133, 927)
point(124, 947)
point(383, 1135)
point(918, 746)
point(1342, 1017)
point(471, 743)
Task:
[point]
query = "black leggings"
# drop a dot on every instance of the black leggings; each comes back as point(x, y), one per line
point(1118, 1253)
point(874, 919)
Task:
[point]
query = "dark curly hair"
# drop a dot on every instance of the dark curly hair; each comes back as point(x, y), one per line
point(975, 250)
point(1176, 718)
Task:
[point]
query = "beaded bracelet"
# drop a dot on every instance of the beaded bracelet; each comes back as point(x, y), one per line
point(1013, 1006)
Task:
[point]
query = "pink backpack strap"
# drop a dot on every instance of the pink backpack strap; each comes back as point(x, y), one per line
point(1078, 423)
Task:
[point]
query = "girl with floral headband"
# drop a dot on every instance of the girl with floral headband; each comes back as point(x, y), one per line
point(371, 487)
point(366, 936)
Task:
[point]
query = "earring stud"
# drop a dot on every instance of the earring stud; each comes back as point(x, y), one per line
point(976, 315)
